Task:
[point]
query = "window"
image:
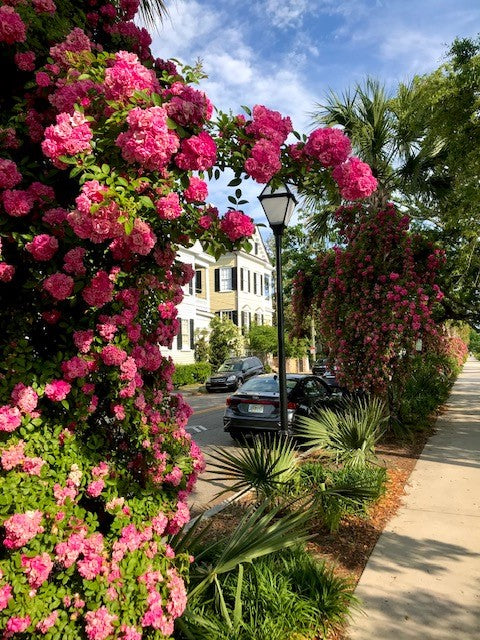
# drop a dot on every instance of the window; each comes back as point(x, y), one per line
point(244, 279)
point(185, 334)
point(230, 315)
point(258, 318)
point(257, 247)
point(246, 320)
point(226, 279)
point(267, 286)
point(198, 281)
point(314, 389)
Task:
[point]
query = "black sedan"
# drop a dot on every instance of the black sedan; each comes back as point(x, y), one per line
point(255, 408)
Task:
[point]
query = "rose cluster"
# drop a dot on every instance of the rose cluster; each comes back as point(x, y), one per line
point(375, 296)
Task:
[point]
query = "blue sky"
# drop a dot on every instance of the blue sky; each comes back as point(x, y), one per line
point(288, 55)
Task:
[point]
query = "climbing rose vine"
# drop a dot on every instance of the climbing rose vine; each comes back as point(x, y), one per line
point(374, 296)
point(105, 155)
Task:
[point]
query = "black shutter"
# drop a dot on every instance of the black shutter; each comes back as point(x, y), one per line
point(248, 281)
point(234, 278)
point(241, 279)
point(249, 319)
point(261, 285)
point(190, 287)
point(217, 279)
point(198, 281)
point(243, 318)
point(255, 283)
point(235, 317)
point(179, 336)
point(262, 318)
point(192, 334)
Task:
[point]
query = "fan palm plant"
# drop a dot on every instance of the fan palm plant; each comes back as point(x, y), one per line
point(267, 465)
point(349, 435)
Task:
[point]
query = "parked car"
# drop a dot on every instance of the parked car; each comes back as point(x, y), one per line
point(255, 408)
point(319, 367)
point(330, 378)
point(233, 373)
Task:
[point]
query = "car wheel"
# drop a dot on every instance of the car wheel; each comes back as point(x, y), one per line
point(238, 383)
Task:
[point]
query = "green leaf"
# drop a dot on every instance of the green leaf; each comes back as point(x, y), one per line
point(235, 182)
point(232, 199)
point(146, 202)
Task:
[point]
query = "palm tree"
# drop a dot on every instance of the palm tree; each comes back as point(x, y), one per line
point(151, 10)
point(397, 152)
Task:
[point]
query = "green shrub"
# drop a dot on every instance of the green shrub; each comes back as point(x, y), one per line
point(342, 491)
point(284, 595)
point(428, 386)
point(191, 373)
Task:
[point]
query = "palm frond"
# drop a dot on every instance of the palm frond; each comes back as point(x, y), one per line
point(260, 532)
point(266, 465)
point(349, 435)
point(151, 11)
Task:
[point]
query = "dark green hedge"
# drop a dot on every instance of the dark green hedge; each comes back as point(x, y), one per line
point(191, 373)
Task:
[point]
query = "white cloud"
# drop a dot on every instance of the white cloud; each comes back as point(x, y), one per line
point(185, 29)
point(288, 13)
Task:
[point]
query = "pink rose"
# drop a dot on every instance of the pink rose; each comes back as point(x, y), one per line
point(59, 286)
point(42, 247)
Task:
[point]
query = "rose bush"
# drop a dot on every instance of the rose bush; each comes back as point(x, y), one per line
point(99, 145)
point(375, 295)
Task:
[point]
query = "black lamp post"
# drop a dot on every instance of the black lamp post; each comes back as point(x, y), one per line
point(278, 205)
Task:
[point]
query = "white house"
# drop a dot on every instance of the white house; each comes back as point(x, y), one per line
point(194, 310)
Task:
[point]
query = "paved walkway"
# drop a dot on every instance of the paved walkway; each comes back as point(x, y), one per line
point(422, 581)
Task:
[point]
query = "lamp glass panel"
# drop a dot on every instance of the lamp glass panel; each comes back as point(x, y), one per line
point(278, 205)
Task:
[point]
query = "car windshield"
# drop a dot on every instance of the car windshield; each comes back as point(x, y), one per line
point(265, 385)
point(231, 366)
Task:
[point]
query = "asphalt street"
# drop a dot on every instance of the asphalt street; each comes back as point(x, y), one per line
point(206, 427)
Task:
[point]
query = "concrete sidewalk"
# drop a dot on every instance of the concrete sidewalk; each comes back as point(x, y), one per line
point(422, 581)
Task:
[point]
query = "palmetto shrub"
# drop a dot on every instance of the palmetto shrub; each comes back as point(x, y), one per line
point(347, 436)
point(339, 492)
point(267, 465)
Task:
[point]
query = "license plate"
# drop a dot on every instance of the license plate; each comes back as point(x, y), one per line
point(255, 408)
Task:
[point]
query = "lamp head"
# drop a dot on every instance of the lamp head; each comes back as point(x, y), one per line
point(278, 205)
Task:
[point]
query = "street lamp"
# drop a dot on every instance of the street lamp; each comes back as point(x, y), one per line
point(278, 205)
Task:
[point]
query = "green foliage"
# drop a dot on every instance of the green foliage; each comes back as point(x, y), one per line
point(350, 435)
point(475, 343)
point(191, 373)
point(339, 492)
point(442, 110)
point(284, 595)
point(225, 341)
point(431, 378)
point(267, 465)
point(202, 350)
point(342, 491)
point(263, 339)
point(296, 347)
